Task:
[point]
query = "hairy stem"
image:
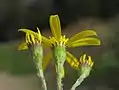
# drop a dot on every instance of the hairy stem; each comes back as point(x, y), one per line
point(38, 60)
point(78, 82)
point(59, 53)
point(59, 82)
point(41, 76)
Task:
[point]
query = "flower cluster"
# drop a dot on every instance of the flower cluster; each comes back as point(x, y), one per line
point(58, 44)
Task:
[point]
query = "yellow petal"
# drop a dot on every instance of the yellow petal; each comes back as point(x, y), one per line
point(73, 62)
point(82, 34)
point(28, 39)
point(88, 41)
point(32, 39)
point(27, 31)
point(84, 58)
point(81, 59)
point(92, 64)
point(46, 41)
point(55, 26)
point(46, 60)
point(39, 35)
point(90, 61)
point(23, 46)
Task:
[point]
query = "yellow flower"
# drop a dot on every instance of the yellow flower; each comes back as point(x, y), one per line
point(31, 38)
point(83, 38)
point(33, 41)
point(84, 61)
point(83, 66)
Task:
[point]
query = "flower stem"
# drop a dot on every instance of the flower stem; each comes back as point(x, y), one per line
point(41, 76)
point(59, 53)
point(59, 82)
point(78, 82)
point(38, 60)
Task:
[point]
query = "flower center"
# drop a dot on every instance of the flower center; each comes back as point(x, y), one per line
point(86, 62)
point(61, 42)
point(32, 39)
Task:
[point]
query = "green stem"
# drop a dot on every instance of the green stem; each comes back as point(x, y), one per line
point(38, 59)
point(78, 82)
point(59, 53)
point(41, 76)
point(59, 82)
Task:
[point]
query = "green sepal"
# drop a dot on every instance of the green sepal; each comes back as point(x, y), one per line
point(37, 51)
point(85, 71)
point(59, 54)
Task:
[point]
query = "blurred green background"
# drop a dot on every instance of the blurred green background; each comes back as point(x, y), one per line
point(17, 70)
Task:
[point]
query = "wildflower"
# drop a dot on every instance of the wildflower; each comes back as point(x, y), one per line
point(83, 38)
point(86, 65)
point(33, 41)
point(83, 66)
point(59, 42)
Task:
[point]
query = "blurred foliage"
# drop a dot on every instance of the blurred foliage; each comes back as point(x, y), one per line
point(14, 61)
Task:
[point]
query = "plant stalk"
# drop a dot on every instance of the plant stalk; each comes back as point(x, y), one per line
point(78, 82)
point(41, 76)
point(38, 60)
point(59, 82)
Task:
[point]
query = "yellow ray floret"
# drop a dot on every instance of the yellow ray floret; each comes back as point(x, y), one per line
point(46, 60)
point(55, 26)
point(73, 62)
point(23, 46)
point(86, 61)
point(30, 38)
point(82, 34)
point(83, 61)
point(86, 41)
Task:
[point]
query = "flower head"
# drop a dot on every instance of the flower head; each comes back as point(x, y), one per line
point(85, 61)
point(84, 65)
point(84, 38)
point(31, 38)
point(33, 41)
point(60, 42)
